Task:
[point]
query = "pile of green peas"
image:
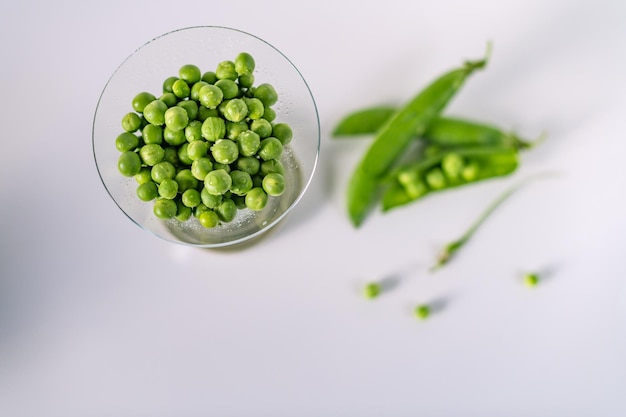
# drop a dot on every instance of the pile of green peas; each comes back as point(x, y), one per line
point(208, 146)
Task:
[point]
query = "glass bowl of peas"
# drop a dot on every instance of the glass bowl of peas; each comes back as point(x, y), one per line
point(206, 136)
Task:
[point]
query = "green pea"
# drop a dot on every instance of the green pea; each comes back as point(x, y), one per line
point(162, 171)
point(239, 200)
point(209, 77)
point(167, 84)
point(209, 219)
point(422, 312)
point(213, 128)
point(270, 148)
point(191, 106)
point(168, 188)
point(256, 199)
point(191, 198)
point(531, 280)
point(271, 166)
point(171, 155)
point(129, 164)
point(435, 179)
point(226, 210)
point(267, 94)
point(193, 131)
point(152, 134)
point(176, 118)
point(190, 73)
point(217, 182)
point(261, 127)
point(126, 142)
point(255, 108)
point(152, 154)
point(210, 96)
point(131, 122)
point(226, 70)
point(246, 81)
point(181, 89)
point(235, 110)
point(470, 171)
point(241, 182)
point(204, 113)
point(274, 184)
point(225, 151)
point(201, 167)
point(141, 100)
point(183, 213)
point(194, 93)
point(233, 129)
point(199, 209)
point(197, 149)
point(169, 99)
point(225, 167)
point(248, 164)
point(143, 176)
point(147, 191)
point(412, 183)
point(164, 208)
point(244, 64)
point(452, 165)
point(183, 156)
point(154, 112)
point(173, 137)
point(248, 142)
point(185, 180)
point(282, 132)
point(269, 114)
point(372, 290)
point(210, 200)
point(229, 88)
point(257, 181)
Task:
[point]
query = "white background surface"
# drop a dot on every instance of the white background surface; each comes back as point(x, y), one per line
point(99, 318)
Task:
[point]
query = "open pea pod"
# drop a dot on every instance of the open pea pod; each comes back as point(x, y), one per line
point(447, 169)
point(395, 135)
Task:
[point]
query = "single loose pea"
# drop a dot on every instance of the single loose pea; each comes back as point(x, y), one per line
point(174, 137)
point(282, 132)
point(226, 70)
point(209, 219)
point(169, 99)
point(131, 122)
point(141, 100)
point(190, 73)
point(371, 290)
point(197, 149)
point(210, 200)
point(435, 179)
point(261, 127)
point(241, 182)
point(233, 129)
point(209, 77)
point(248, 164)
point(143, 176)
point(152, 134)
point(235, 110)
point(246, 80)
point(273, 165)
point(191, 107)
point(248, 142)
point(274, 184)
point(225, 151)
point(244, 64)
point(531, 280)
point(162, 171)
point(191, 198)
point(164, 208)
point(269, 114)
point(181, 89)
point(213, 128)
point(129, 164)
point(185, 180)
point(422, 312)
point(147, 191)
point(126, 142)
point(255, 108)
point(210, 96)
point(256, 199)
point(176, 118)
point(217, 182)
point(183, 156)
point(201, 167)
point(154, 112)
point(267, 94)
point(183, 213)
point(151, 154)
point(171, 155)
point(270, 148)
point(226, 210)
point(167, 84)
point(168, 188)
point(229, 88)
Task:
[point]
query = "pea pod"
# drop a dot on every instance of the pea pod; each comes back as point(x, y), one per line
point(444, 131)
point(447, 170)
point(395, 135)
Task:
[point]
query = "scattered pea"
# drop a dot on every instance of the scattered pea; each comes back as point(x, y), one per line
point(422, 311)
point(531, 280)
point(190, 73)
point(371, 290)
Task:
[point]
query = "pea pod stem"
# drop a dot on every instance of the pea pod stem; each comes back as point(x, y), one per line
point(396, 134)
point(450, 249)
